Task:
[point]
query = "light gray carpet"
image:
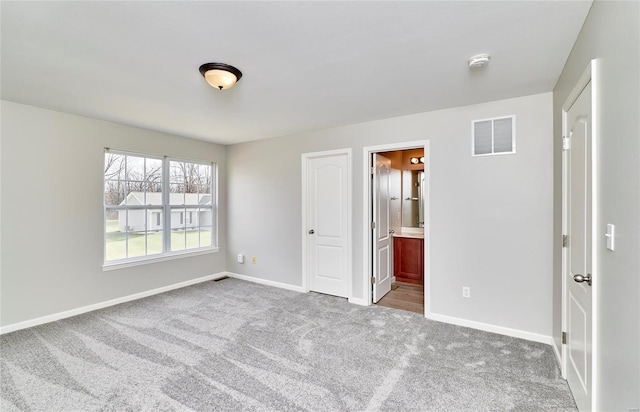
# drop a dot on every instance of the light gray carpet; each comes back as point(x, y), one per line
point(233, 345)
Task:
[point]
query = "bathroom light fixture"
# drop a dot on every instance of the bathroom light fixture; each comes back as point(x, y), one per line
point(479, 60)
point(415, 160)
point(220, 75)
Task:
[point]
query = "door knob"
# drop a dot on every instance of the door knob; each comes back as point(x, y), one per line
point(391, 231)
point(579, 278)
point(311, 231)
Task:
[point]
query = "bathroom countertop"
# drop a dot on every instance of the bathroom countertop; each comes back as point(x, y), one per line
point(410, 232)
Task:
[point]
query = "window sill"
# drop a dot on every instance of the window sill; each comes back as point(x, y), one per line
point(155, 259)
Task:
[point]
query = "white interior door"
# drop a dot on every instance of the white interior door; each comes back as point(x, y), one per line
point(327, 225)
point(382, 241)
point(578, 293)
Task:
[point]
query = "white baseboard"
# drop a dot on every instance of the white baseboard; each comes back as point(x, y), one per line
point(515, 333)
point(266, 282)
point(89, 308)
point(556, 350)
point(358, 301)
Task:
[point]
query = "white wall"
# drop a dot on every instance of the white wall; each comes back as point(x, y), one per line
point(611, 34)
point(52, 213)
point(491, 217)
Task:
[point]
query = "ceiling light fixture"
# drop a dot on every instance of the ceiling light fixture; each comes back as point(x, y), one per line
point(479, 60)
point(415, 160)
point(220, 75)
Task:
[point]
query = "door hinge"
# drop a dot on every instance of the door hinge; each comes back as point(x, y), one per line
point(373, 225)
point(564, 338)
point(565, 240)
point(373, 280)
point(566, 143)
point(373, 170)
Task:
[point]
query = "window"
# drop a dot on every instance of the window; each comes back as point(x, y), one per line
point(145, 201)
point(494, 136)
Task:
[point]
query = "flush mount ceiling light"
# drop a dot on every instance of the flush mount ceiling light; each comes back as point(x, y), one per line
point(220, 75)
point(479, 60)
point(415, 160)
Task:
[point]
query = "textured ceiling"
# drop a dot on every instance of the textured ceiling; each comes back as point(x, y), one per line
point(306, 65)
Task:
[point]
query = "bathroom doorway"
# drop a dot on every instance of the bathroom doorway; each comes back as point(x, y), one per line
point(397, 212)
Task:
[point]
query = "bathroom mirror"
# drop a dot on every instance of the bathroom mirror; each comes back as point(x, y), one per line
point(412, 198)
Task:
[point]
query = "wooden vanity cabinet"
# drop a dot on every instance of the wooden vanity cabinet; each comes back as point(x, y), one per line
point(408, 260)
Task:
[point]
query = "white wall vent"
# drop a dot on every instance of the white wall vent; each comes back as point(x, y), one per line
point(494, 136)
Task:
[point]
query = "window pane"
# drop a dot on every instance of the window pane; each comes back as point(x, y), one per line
point(205, 237)
point(177, 229)
point(176, 195)
point(193, 240)
point(204, 179)
point(191, 218)
point(136, 244)
point(178, 240)
point(154, 242)
point(113, 192)
point(176, 172)
point(205, 217)
point(114, 166)
point(153, 175)
point(135, 168)
point(115, 240)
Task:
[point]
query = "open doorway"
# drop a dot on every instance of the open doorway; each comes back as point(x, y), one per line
point(397, 240)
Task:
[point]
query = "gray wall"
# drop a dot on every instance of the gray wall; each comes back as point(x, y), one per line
point(52, 242)
point(491, 217)
point(611, 34)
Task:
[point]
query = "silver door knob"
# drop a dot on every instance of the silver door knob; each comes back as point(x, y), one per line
point(579, 278)
point(391, 231)
point(311, 231)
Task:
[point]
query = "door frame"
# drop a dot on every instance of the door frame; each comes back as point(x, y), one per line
point(367, 218)
point(589, 75)
point(306, 157)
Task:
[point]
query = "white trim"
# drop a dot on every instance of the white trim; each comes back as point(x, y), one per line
point(590, 75)
point(557, 352)
point(160, 258)
point(487, 327)
point(90, 308)
point(358, 301)
point(266, 282)
point(305, 238)
point(367, 218)
point(595, 224)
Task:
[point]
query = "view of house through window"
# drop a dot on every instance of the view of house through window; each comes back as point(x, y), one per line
point(143, 195)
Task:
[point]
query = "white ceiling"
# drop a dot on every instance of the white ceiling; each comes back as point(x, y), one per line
point(306, 65)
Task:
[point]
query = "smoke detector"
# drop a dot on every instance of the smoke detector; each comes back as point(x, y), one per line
point(479, 60)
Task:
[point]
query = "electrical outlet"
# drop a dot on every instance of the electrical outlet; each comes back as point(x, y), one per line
point(253, 260)
point(466, 292)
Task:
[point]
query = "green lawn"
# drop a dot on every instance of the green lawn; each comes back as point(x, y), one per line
point(116, 241)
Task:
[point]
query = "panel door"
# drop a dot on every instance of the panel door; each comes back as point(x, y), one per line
point(382, 252)
point(578, 297)
point(327, 224)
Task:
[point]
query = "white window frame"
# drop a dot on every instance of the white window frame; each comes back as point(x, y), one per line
point(165, 212)
point(493, 153)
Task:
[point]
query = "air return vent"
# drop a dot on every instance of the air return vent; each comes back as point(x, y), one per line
point(494, 136)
